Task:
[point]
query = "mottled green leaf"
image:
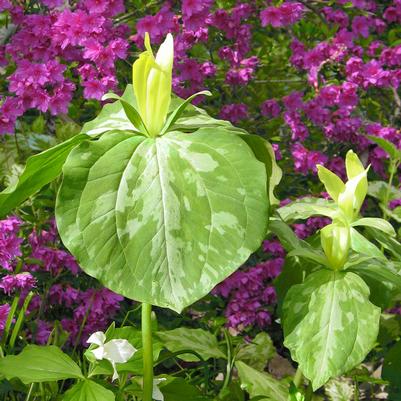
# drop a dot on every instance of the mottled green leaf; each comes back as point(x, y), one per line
point(88, 390)
point(37, 364)
point(198, 340)
point(40, 169)
point(258, 383)
point(339, 390)
point(307, 207)
point(258, 352)
point(163, 220)
point(329, 324)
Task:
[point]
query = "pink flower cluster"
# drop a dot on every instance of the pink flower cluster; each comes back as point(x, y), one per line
point(250, 291)
point(51, 51)
point(81, 311)
point(286, 14)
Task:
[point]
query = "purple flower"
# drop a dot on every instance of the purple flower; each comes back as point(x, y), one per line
point(286, 14)
point(4, 311)
point(234, 112)
point(270, 108)
point(360, 26)
point(10, 243)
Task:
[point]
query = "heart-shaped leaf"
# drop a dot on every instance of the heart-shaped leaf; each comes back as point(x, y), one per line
point(163, 220)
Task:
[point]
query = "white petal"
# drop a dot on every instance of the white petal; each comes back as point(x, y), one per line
point(97, 338)
point(115, 374)
point(98, 353)
point(118, 350)
point(165, 54)
point(157, 394)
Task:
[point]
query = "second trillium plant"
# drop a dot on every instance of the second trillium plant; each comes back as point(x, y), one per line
point(158, 205)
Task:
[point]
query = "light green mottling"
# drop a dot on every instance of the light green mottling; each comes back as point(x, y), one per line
point(329, 324)
point(149, 218)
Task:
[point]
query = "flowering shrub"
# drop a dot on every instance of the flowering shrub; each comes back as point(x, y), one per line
point(314, 78)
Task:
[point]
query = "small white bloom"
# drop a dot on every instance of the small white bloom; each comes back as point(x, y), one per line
point(157, 394)
point(115, 351)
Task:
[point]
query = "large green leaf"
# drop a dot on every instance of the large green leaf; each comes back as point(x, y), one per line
point(37, 364)
point(329, 324)
point(40, 169)
point(88, 390)
point(258, 383)
point(258, 352)
point(198, 340)
point(163, 220)
point(363, 246)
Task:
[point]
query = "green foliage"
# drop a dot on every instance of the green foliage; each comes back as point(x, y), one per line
point(128, 206)
point(88, 390)
point(200, 341)
point(36, 364)
point(257, 353)
point(261, 384)
point(39, 171)
point(329, 324)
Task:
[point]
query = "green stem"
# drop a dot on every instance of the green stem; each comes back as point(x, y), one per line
point(393, 168)
point(298, 378)
point(20, 320)
point(147, 352)
point(9, 321)
point(229, 362)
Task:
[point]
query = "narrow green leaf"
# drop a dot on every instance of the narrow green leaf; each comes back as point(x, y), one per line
point(88, 390)
point(380, 224)
point(176, 114)
point(258, 383)
point(131, 112)
point(307, 207)
point(333, 184)
point(387, 146)
point(310, 254)
point(37, 364)
point(40, 169)
point(198, 340)
point(286, 236)
point(329, 324)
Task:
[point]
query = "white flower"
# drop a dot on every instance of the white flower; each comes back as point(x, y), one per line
point(157, 394)
point(115, 351)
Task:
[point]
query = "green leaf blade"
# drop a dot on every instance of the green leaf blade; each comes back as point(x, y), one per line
point(329, 323)
point(37, 364)
point(128, 206)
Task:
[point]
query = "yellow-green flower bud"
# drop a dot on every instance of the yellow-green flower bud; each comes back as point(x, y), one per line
point(336, 241)
point(152, 84)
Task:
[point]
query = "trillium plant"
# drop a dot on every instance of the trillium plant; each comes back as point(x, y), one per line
point(160, 202)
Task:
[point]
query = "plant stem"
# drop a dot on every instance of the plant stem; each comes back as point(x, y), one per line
point(393, 168)
point(298, 378)
point(229, 362)
point(147, 352)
